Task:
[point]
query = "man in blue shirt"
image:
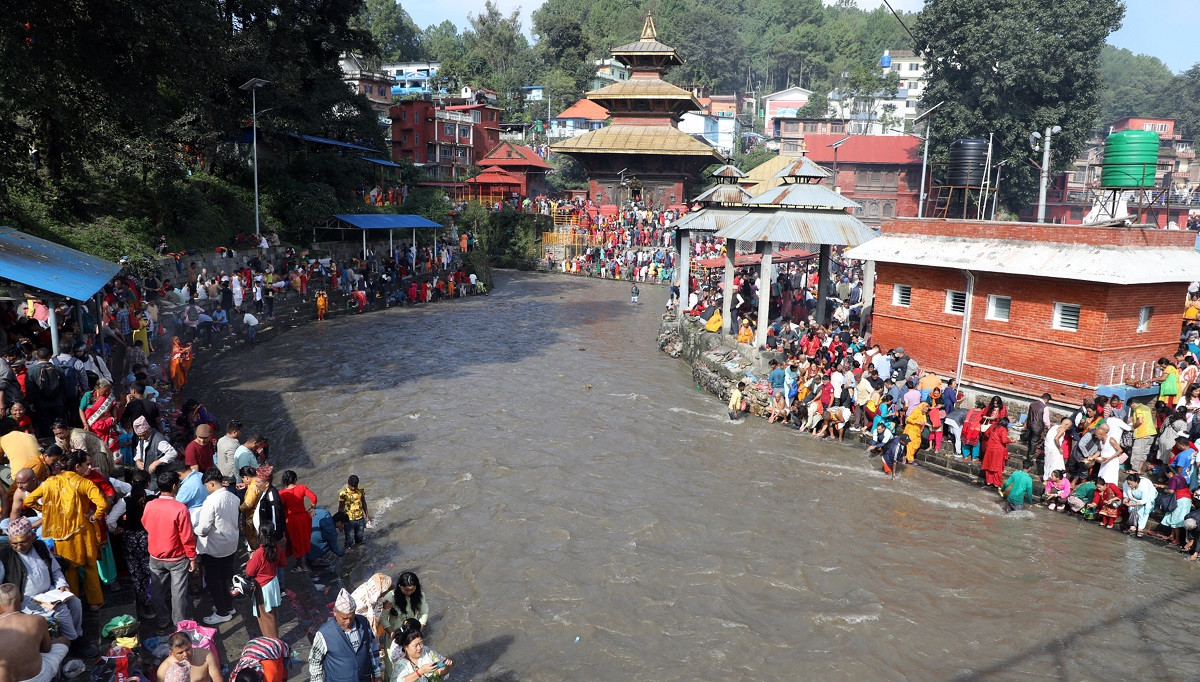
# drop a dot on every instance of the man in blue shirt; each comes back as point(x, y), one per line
point(777, 377)
point(326, 529)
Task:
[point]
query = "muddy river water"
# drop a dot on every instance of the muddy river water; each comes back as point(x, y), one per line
point(577, 510)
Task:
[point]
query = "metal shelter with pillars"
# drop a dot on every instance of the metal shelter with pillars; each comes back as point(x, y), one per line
point(799, 211)
point(33, 268)
point(389, 222)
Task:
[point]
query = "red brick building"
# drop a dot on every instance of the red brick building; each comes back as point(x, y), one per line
point(447, 140)
point(1027, 308)
point(880, 172)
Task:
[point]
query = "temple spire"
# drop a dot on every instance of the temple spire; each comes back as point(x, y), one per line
point(648, 30)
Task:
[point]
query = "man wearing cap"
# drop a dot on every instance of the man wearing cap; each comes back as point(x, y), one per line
point(344, 649)
point(26, 562)
point(200, 454)
point(151, 449)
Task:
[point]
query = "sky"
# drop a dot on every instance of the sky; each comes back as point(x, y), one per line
point(1160, 28)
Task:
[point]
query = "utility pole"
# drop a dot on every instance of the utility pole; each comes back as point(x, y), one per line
point(253, 85)
point(1045, 174)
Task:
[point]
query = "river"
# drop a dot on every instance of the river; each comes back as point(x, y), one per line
point(577, 510)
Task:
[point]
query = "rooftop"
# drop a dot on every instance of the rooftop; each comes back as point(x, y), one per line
point(585, 109)
point(889, 149)
point(631, 139)
point(509, 154)
point(643, 88)
point(1112, 255)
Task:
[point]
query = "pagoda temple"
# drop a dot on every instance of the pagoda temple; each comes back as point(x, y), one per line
point(642, 155)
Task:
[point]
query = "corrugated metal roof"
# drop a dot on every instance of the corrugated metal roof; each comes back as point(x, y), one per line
point(728, 171)
point(637, 140)
point(643, 88)
point(799, 227)
point(642, 47)
point(1109, 264)
point(710, 219)
point(803, 167)
point(50, 267)
point(767, 169)
point(725, 194)
point(386, 221)
point(803, 194)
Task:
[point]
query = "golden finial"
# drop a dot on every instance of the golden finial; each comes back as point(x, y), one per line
point(648, 30)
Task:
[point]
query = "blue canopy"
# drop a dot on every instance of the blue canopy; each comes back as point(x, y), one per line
point(335, 143)
point(381, 162)
point(51, 267)
point(386, 221)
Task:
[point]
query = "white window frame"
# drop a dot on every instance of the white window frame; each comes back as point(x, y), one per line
point(1056, 323)
point(991, 308)
point(1145, 314)
point(906, 290)
point(949, 309)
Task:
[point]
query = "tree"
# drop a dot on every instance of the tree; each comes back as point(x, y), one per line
point(497, 53)
point(1134, 84)
point(396, 34)
point(1012, 67)
point(1184, 102)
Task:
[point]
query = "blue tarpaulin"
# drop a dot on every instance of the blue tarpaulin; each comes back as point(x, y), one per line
point(381, 162)
point(335, 143)
point(386, 221)
point(50, 267)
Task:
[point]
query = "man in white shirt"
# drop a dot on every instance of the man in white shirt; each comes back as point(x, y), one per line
point(251, 323)
point(27, 560)
point(216, 542)
point(151, 449)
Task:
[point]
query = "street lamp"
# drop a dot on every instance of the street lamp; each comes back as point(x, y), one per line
point(253, 85)
point(1045, 174)
point(925, 161)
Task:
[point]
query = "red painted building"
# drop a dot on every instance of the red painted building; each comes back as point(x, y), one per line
point(446, 140)
point(522, 163)
point(1042, 308)
point(880, 172)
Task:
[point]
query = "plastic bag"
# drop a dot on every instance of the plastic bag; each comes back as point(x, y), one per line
point(202, 637)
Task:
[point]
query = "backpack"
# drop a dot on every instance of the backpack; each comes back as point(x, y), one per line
point(70, 376)
point(49, 381)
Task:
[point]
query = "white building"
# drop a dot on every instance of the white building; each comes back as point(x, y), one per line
point(882, 115)
point(721, 132)
point(412, 78)
point(474, 94)
point(910, 67)
point(783, 104)
point(609, 71)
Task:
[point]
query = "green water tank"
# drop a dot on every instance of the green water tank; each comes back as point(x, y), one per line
point(1130, 158)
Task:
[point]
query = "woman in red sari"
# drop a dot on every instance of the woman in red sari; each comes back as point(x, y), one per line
point(993, 414)
point(298, 517)
point(100, 411)
point(995, 453)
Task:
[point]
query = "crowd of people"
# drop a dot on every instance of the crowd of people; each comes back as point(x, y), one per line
point(1117, 462)
point(114, 480)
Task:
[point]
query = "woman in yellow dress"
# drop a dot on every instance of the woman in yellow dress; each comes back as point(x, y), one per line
point(912, 426)
point(71, 507)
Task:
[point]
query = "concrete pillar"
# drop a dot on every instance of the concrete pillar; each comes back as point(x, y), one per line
point(868, 294)
point(764, 294)
point(684, 270)
point(727, 297)
point(53, 326)
point(823, 282)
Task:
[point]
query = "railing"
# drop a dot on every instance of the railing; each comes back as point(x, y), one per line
point(562, 219)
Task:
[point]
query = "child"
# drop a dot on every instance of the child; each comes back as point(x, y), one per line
point(736, 403)
point(353, 501)
point(1058, 489)
point(322, 304)
point(634, 294)
point(263, 569)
